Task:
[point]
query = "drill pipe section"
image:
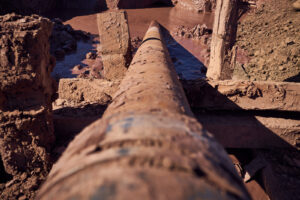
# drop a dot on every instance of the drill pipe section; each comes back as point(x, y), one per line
point(148, 145)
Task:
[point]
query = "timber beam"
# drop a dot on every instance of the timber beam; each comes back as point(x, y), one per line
point(243, 95)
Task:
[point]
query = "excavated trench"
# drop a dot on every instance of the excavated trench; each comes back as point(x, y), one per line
point(189, 55)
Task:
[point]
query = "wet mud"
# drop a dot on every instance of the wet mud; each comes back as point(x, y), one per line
point(188, 55)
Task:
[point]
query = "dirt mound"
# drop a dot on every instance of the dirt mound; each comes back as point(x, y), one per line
point(197, 32)
point(269, 43)
point(26, 93)
point(197, 5)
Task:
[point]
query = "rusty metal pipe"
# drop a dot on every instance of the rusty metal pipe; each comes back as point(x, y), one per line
point(148, 145)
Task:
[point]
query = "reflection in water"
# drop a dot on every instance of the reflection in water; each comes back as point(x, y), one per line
point(169, 17)
point(186, 53)
point(187, 66)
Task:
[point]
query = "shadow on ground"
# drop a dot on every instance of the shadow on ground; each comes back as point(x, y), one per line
point(246, 137)
point(240, 132)
point(295, 78)
point(187, 66)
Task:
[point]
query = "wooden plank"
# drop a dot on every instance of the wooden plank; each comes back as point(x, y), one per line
point(251, 131)
point(232, 131)
point(239, 95)
point(224, 34)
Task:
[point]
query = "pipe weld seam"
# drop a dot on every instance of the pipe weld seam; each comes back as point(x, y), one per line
point(151, 38)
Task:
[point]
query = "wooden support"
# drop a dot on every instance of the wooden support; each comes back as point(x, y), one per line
point(243, 95)
point(115, 44)
point(244, 130)
point(231, 130)
point(223, 38)
point(203, 94)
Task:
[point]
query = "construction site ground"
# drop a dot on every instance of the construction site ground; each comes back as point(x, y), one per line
point(268, 47)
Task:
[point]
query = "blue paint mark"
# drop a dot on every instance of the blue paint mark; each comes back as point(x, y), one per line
point(105, 192)
point(128, 122)
point(123, 151)
point(108, 129)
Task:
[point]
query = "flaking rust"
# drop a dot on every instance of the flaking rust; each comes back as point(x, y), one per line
point(148, 145)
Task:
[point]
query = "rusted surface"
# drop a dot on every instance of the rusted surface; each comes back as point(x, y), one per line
point(247, 95)
point(148, 145)
point(115, 43)
point(232, 130)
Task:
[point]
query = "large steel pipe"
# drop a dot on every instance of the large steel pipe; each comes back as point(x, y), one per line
point(148, 145)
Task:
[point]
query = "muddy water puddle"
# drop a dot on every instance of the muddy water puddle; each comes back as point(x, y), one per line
point(169, 18)
point(63, 68)
point(187, 54)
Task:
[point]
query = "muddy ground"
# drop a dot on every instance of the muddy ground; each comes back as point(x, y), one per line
point(268, 48)
point(189, 51)
point(268, 41)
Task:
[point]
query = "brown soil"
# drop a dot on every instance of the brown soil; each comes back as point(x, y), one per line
point(80, 102)
point(200, 34)
point(268, 49)
point(194, 51)
point(268, 37)
point(26, 93)
point(274, 172)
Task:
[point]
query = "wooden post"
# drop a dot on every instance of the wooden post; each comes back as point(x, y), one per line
point(223, 38)
point(115, 44)
point(243, 95)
